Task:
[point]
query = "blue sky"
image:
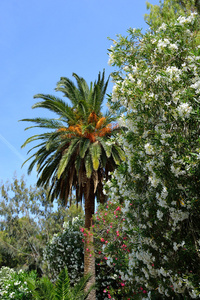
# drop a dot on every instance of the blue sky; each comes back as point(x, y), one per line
point(42, 40)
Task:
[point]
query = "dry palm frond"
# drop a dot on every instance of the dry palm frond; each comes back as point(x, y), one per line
point(96, 180)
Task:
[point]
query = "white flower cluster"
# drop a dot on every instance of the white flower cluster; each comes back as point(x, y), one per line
point(184, 110)
point(196, 85)
point(149, 149)
point(70, 244)
point(183, 20)
point(160, 98)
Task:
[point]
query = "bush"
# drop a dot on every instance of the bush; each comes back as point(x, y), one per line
point(14, 285)
point(158, 84)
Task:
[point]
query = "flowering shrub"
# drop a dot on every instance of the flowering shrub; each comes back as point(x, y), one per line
point(66, 249)
point(13, 285)
point(112, 246)
point(158, 83)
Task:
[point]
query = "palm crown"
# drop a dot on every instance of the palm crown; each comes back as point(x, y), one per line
point(76, 151)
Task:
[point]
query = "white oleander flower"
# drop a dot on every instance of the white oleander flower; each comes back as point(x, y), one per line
point(184, 110)
point(149, 149)
point(163, 27)
point(159, 214)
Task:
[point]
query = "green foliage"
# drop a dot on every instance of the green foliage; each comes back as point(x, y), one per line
point(28, 222)
point(71, 243)
point(27, 286)
point(62, 286)
point(66, 249)
point(71, 150)
point(14, 285)
point(168, 11)
point(44, 289)
point(157, 230)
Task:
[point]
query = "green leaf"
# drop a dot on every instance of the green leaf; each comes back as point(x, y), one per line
point(120, 152)
point(67, 156)
point(84, 144)
point(88, 165)
point(62, 286)
point(95, 151)
point(107, 148)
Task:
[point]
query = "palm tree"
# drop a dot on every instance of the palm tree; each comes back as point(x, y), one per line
point(76, 152)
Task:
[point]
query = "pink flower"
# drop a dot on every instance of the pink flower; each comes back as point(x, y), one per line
point(105, 258)
point(118, 208)
point(102, 240)
point(122, 284)
point(82, 229)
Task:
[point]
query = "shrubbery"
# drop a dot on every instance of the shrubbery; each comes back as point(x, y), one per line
point(14, 285)
point(157, 227)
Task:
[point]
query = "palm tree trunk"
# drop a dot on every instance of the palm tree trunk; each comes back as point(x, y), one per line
point(89, 258)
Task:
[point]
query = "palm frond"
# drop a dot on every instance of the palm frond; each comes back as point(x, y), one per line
point(120, 152)
point(106, 146)
point(99, 91)
point(79, 292)
point(48, 171)
point(84, 145)
point(33, 138)
point(95, 151)
point(83, 109)
point(67, 156)
point(55, 105)
point(68, 88)
point(44, 123)
point(62, 287)
point(82, 86)
point(116, 156)
point(95, 180)
point(88, 165)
